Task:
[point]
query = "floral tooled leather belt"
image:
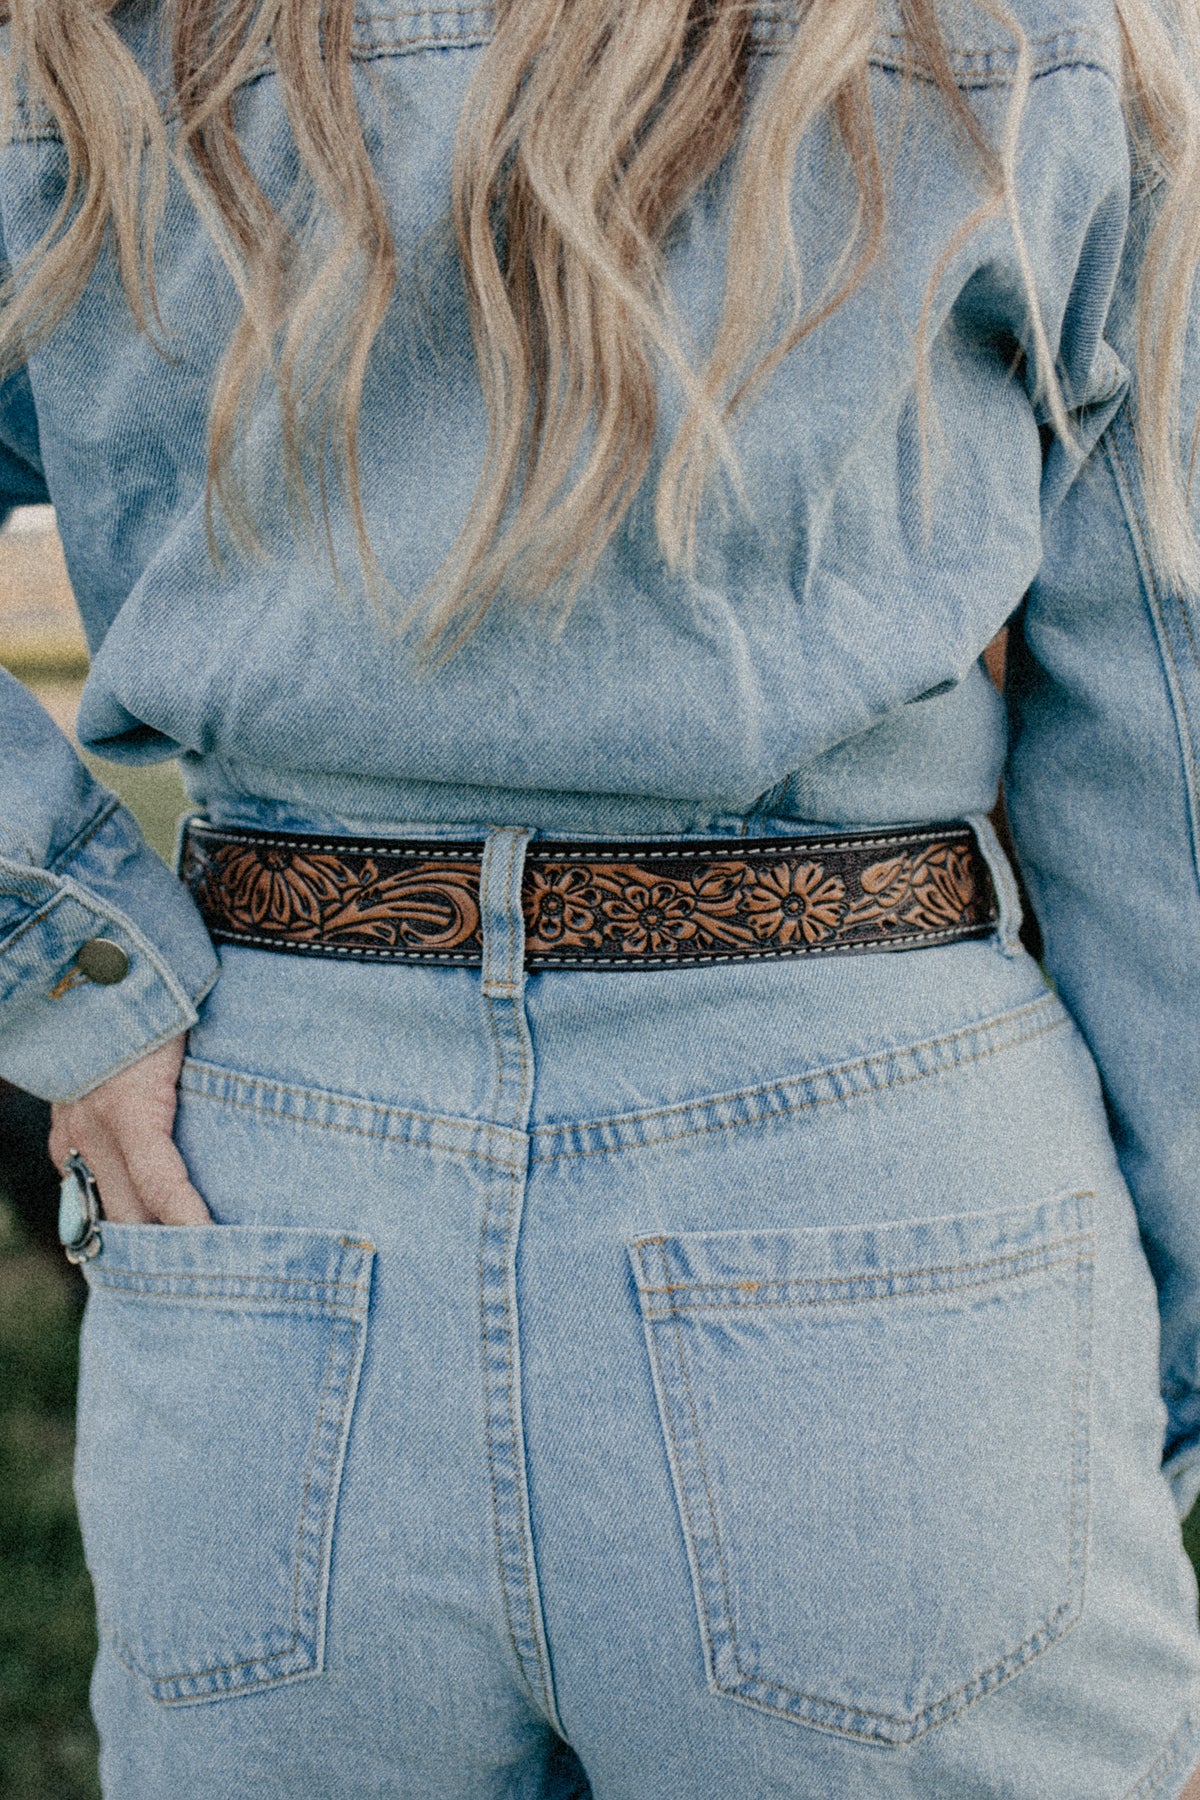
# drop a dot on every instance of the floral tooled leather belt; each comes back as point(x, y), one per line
point(589, 905)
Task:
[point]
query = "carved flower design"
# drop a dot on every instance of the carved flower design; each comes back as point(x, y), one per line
point(886, 889)
point(933, 891)
point(560, 906)
point(277, 890)
point(652, 916)
point(431, 906)
point(943, 888)
point(790, 902)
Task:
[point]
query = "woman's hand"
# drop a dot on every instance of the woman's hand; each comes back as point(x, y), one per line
point(122, 1130)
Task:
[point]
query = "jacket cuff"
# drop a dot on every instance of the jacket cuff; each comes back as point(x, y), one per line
point(60, 1032)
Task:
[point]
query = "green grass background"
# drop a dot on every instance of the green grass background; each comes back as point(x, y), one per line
point(47, 1632)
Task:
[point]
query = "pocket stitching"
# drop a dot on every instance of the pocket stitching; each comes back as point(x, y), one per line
point(1044, 1251)
point(275, 1655)
point(939, 1711)
point(347, 1333)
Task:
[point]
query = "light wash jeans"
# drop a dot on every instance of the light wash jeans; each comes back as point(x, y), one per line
point(663, 1385)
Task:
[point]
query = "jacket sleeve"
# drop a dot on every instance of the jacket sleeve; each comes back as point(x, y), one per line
point(74, 867)
point(1103, 796)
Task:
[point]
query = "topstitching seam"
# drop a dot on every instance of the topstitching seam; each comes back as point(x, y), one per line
point(801, 1105)
point(777, 1091)
point(989, 1262)
point(1013, 1656)
point(381, 1137)
point(217, 1073)
point(515, 943)
point(683, 1108)
point(273, 1656)
point(675, 1310)
point(514, 1172)
point(769, 1087)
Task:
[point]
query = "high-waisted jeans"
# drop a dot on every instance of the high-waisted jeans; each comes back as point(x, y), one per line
point(653, 1385)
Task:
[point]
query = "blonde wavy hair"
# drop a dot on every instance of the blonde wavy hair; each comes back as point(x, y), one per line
point(589, 125)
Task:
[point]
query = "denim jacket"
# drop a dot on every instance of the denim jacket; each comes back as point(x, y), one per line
point(821, 664)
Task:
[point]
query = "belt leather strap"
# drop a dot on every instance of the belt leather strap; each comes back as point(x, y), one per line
point(588, 905)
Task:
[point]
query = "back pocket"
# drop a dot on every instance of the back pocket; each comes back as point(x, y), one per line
point(218, 1370)
point(878, 1439)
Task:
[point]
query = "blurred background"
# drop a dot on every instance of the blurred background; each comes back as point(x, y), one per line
point(47, 1631)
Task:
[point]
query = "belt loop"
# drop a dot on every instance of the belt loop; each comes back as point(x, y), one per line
point(193, 816)
point(503, 923)
point(1008, 897)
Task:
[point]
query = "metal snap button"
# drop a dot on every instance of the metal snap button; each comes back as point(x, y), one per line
point(102, 961)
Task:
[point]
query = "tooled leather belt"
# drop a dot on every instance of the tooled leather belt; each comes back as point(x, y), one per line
point(589, 905)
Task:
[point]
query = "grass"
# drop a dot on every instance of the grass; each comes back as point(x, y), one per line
point(155, 794)
point(47, 1630)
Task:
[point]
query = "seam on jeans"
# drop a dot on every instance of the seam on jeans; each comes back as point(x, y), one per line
point(510, 1323)
point(995, 1022)
point(332, 1486)
point(864, 1712)
point(513, 901)
point(497, 1046)
point(960, 1287)
point(526, 1544)
point(382, 1137)
point(1167, 1760)
point(991, 1262)
point(352, 1310)
point(519, 1521)
point(129, 1657)
point(274, 1281)
point(312, 1457)
point(491, 1436)
point(785, 1109)
point(278, 1655)
point(273, 1303)
point(511, 1392)
point(327, 1094)
point(712, 1654)
point(513, 1172)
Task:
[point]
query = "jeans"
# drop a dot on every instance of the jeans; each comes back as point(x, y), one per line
point(653, 1385)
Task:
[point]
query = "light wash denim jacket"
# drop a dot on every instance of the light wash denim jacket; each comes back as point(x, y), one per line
point(822, 663)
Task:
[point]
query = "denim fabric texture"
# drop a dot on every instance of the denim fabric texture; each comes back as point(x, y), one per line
point(759, 1395)
point(762, 1385)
